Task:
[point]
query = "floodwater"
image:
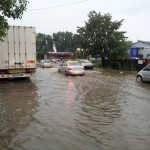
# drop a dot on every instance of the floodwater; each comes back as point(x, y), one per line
point(99, 111)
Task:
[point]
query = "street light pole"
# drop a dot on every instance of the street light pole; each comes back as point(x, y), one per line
point(76, 54)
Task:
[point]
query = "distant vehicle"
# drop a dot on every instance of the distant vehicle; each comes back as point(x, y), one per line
point(144, 74)
point(45, 63)
point(71, 68)
point(40, 62)
point(86, 64)
point(54, 60)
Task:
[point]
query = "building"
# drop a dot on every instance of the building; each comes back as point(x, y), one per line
point(140, 49)
point(58, 55)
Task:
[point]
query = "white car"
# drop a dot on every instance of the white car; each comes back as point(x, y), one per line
point(71, 68)
point(86, 64)
point(45, 63)
point(144, 74)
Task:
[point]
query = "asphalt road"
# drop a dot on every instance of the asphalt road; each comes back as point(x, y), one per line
point(101, 110)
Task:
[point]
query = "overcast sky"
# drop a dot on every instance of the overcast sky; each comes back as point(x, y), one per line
point(52, 16)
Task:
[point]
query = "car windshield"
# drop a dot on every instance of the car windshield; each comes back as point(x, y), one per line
point(147, 68)
point(85, 61)
point(75, 63)
point(46, 61)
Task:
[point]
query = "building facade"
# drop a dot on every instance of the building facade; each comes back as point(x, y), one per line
point(58, 55)
point(140, 49)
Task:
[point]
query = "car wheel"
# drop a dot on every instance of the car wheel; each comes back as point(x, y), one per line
point(139, 78)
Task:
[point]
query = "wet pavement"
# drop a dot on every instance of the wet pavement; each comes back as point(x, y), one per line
point(99, 111)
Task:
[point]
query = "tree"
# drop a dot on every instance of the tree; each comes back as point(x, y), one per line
point(64, 41)
point(10, 9)
point(44, 43)
point(100, 35)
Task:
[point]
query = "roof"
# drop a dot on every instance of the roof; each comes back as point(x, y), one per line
point(140, 44)
point(59, 53)
point(145, 42)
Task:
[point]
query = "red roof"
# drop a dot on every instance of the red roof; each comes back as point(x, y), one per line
point(59, 53)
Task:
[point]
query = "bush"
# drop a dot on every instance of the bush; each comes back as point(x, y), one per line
point(97, 63)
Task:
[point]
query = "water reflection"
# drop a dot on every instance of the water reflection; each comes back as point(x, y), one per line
point(17, 105)
point(70, 93)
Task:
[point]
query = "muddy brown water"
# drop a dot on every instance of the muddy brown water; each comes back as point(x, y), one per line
point(99, 111)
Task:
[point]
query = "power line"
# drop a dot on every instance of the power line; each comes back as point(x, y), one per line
point(77, 19)
point(130, 10)
point(68, 4)
point(57, 21)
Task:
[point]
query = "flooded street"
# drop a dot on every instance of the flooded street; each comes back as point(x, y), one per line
point(99, 111)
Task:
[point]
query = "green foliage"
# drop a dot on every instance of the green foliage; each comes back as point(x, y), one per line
point(10, 9)
point(100, 35)
point(64, 41)
point(97, 63)
point(44, 43)
point(3, 27)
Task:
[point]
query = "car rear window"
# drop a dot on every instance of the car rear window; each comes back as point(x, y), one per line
point(46, 61)
point(85, 61)
point(75, 63)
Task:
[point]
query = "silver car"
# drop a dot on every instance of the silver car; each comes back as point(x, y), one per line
point(71, 68)
point(45, 63)
point(144, 74)
point(86, 64)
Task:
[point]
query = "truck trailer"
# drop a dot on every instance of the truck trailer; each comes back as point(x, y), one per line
point(18, 53)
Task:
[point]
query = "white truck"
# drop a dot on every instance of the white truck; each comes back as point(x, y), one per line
point(18, 53)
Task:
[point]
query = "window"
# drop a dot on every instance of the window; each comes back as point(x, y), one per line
point(134, 52)
point(147, 68)
point(75, 63)
point(141, 56)
point(148, 55)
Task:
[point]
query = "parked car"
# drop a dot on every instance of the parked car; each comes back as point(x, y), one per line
point(70, 67)
point(54, 60)
point(144, 74)
point(45, 63)
point(86, 64)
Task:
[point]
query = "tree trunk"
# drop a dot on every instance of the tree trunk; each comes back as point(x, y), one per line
point(103, 62)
